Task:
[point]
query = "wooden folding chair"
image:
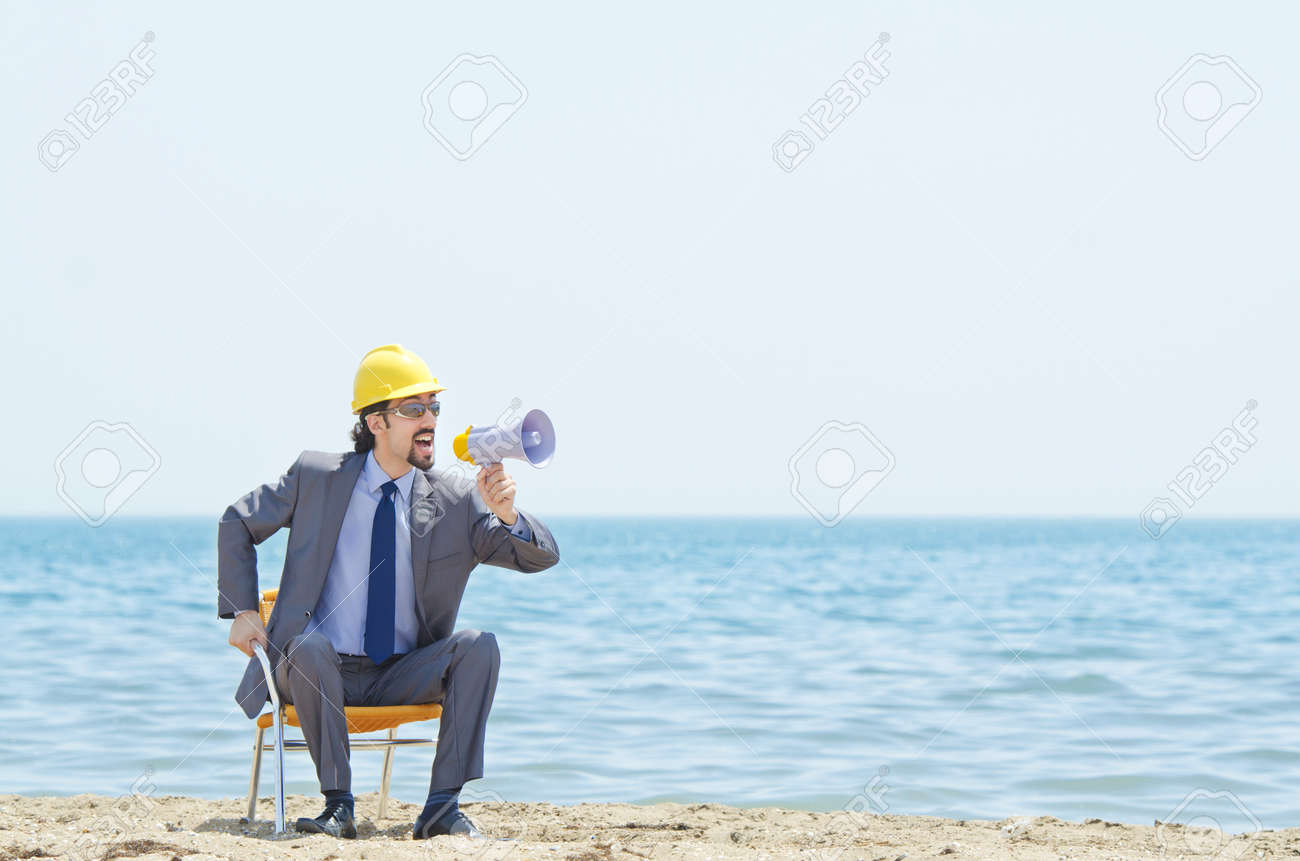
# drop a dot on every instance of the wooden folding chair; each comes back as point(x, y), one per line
point(360, 719)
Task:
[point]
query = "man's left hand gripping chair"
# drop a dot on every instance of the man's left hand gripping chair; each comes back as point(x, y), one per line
point(361, 719)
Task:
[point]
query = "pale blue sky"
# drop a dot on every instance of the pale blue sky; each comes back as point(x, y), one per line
point(997, 262)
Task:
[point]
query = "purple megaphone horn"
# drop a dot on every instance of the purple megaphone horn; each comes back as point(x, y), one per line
point(530, 439)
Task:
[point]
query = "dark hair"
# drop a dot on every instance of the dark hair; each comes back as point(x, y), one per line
point(362, 439)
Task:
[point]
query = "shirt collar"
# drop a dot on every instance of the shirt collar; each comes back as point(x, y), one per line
point(374, 476)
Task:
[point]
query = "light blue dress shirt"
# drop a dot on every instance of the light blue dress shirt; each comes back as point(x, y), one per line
point(340, 613)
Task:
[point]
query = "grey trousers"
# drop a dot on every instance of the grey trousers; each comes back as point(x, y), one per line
point(460, 672)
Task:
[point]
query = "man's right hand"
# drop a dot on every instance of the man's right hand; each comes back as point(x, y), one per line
point(246, 630)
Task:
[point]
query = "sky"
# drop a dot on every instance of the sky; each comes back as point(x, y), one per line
point(999, 283)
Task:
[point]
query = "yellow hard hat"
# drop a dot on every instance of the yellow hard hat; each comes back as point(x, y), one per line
point(390, 372)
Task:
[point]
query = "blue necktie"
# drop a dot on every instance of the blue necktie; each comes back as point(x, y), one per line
point(380, 609)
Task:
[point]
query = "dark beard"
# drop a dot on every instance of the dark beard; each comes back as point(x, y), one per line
point(418, 461)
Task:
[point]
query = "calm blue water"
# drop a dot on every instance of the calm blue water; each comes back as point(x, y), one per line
point(749, 662)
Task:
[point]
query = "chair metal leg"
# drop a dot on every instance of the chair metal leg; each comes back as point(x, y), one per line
point(387, 773)
point(256, 776)
point(277, 718)
point(279, 770)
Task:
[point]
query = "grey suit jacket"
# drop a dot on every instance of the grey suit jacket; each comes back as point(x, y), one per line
point(452, 530)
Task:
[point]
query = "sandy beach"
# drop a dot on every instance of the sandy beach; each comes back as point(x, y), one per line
point(100, 827)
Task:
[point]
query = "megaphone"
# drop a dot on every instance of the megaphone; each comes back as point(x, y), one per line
point(531, 438)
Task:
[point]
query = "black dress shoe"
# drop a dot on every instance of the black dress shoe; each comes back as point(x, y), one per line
point(453, 822)
point(335, 820)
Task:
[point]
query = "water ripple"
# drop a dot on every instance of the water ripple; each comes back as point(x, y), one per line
point(977, 668)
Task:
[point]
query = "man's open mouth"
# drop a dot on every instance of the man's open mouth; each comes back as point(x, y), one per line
point(424, 442)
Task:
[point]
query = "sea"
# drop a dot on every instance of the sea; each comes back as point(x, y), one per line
point(968, 668)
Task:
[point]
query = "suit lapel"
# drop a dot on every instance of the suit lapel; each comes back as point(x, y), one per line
point(427, 507)
point(338, 492)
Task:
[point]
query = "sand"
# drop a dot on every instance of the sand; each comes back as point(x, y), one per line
point(101, 827)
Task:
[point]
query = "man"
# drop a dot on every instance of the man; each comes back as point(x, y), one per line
point(380, 548)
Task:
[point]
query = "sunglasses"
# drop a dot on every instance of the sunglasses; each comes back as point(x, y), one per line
point(415, 410)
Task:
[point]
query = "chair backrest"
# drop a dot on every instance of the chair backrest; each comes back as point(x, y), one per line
point(266, 604)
